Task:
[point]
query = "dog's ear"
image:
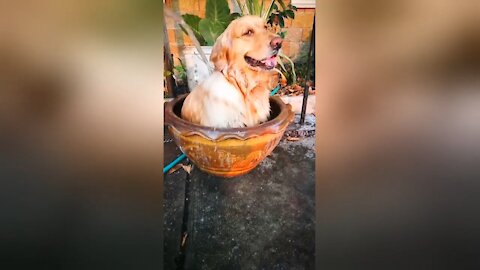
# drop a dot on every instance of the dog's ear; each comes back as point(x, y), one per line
point(220, 52)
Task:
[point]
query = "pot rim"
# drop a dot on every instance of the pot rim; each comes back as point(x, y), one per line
point(186, 128)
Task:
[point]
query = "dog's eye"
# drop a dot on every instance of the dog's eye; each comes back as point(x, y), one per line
point(248, 33)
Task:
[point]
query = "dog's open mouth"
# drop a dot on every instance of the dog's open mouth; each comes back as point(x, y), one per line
point(267, 63)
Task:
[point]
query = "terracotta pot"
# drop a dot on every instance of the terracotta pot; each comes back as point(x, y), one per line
point(228, 152)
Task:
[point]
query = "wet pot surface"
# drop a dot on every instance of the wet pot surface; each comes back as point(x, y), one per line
point(227, 152)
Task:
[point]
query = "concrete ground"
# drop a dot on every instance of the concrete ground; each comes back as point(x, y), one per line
point(262, 220)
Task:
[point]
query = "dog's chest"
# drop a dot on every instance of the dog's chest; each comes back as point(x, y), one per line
point(239, 109)
point(258, 106)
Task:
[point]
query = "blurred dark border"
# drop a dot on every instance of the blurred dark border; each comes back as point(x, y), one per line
point(398, 136)
point(81, 142)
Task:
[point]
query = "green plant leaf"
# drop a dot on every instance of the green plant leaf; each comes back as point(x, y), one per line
point(218, 11)
point(270, 21)
point(197, 34)
point(284, 7)
point(211, 30)
point(261, 9)
point(251, 7)
point(193, 21)
point(248, 6)
point(280, 62)
point(268, 12)
point(291, 63)
point(179, 68)
point(290, 13)
point(254, 7)
point(281, 22)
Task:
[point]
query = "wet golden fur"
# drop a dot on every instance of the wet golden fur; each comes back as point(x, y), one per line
point(236, 94)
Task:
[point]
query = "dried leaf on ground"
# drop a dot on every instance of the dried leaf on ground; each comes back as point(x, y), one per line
point(187, 168)
point(175, 168)
point(292, 139)
point(184, 239)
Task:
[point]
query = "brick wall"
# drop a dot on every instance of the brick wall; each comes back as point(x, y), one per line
point(298, 30)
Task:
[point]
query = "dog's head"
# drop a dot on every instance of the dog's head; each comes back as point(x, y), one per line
point(247, 44)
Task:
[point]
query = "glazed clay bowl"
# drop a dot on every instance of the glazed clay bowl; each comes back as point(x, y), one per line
point(227, 152)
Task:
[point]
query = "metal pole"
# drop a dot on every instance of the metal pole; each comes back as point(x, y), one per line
point(305, 90)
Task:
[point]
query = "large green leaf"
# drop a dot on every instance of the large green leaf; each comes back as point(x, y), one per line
point(218, 11)
point(210, 30)
point(193, 21)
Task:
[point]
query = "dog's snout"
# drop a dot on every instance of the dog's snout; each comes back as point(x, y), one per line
point(276, 43)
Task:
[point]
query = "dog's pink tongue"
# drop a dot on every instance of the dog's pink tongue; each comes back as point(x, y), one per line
point(270, 62)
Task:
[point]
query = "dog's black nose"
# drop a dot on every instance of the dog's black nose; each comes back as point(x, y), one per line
point(276, 43)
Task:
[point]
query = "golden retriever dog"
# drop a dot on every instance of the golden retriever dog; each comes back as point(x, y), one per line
point(236, 94)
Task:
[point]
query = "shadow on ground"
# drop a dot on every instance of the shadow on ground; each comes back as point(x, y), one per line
point(262, 220)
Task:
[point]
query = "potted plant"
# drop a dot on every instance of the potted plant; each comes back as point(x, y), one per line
point(205, 31)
